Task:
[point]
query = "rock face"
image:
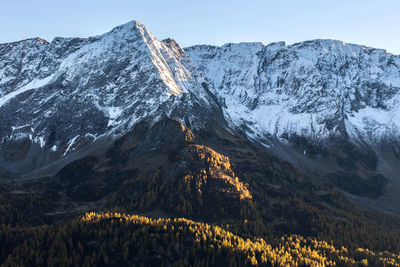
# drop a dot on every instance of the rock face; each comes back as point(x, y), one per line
point(324, 105)
point(316, 89)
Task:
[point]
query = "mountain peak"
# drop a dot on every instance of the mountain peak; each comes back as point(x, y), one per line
point(110, 82)
point(133, 24)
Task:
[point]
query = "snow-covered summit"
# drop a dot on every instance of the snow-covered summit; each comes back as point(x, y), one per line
point(63, 95)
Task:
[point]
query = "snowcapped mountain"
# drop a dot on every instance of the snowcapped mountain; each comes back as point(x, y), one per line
point(328, 107)
point(60, 96)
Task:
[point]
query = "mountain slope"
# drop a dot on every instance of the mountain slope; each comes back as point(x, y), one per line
point(92, 240)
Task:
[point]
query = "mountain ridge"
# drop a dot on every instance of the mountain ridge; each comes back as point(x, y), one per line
point(323, 105)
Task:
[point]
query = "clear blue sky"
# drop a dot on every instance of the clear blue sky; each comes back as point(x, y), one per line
point(373, 23)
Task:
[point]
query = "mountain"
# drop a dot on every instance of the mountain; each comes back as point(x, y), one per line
point(316, 89)
point(59, 97)
point(328, 107)
point(266, 141)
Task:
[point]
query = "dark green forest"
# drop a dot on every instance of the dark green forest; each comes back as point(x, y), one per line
point(185, 204)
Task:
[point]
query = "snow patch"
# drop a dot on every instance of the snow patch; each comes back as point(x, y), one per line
point(70, 144)
point(37, 83)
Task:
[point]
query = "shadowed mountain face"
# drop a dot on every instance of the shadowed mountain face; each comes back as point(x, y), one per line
point(238, 131)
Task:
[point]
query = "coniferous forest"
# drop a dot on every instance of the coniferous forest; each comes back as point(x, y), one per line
point(190, 206)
